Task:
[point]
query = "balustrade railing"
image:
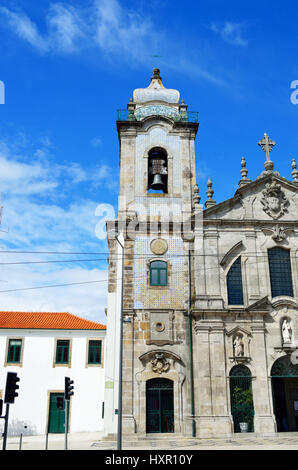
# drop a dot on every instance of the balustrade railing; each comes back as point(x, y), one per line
point(190, 116)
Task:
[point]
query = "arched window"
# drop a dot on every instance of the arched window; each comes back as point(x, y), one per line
point(158, 273)
point(157, 170)
point(234, 283)
point(280, 272)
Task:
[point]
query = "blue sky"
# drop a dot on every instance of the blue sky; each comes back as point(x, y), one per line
point(68, 66)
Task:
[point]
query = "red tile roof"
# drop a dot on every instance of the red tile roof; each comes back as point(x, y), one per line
point(47, 320)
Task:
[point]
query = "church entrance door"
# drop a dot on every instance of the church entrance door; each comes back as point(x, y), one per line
point(284, 376)
point(159, 406)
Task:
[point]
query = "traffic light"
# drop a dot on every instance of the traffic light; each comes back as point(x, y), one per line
point(60, 403)
point(11, 387)
point(1, 407)
point(68, 388)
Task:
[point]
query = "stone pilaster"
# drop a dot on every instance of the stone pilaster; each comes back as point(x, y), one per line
point(264, 421)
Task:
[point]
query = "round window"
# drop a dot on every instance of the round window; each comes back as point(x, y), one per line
point(159, 326)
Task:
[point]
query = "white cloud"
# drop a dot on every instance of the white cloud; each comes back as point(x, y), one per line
point(105, 24)
point(96, 142)
point(21, 24)
point(85, 300)
point(230, 32)
point(65, 26)
point(44, 211)
point(115, 30)
point(123, 31)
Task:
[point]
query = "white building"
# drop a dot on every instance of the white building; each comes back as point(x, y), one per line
point(43, 349)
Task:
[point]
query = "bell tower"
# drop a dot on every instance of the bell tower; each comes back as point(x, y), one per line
point(158, 194)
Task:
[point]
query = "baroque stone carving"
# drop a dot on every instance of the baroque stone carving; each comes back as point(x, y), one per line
point(274, 200)
point(159, 246)
point(160, 363)
point(278, 233)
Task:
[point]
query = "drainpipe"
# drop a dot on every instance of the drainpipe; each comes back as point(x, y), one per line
point(190, 349)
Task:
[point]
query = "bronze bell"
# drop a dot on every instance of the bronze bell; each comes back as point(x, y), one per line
point(157, 182)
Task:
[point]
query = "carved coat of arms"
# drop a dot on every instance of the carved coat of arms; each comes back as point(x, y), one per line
point(274, 200)
point(160, 363)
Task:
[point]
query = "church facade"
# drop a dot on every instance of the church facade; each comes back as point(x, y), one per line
point(204, 298)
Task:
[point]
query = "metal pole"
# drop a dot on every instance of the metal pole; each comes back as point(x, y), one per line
point(66, 423)
point(20, 444)
point(190, 349)
point(5, 427)
point(119, 434)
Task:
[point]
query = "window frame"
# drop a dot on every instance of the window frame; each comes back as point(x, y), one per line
point(280, 274)
point(92, 364)
point(59, 363)
point(159, 270)
point(238, 260)
point(19, 362)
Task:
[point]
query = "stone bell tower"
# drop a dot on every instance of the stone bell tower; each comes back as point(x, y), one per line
point(158, 197)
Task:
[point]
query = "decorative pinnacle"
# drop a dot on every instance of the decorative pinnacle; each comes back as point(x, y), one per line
point(156, 75)
point(295, 171)
point(243, 172)
point(196, 197)
point(267, 144)
point(210, 202)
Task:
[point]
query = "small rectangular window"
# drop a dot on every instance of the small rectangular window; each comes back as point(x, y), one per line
point(62, 352)
point(94, 353)
point(14, 351)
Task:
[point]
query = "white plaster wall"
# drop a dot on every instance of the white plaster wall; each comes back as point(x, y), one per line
point(38, 377)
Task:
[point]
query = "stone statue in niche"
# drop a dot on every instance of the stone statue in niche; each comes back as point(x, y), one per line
point(286, 331)
point(238, 346)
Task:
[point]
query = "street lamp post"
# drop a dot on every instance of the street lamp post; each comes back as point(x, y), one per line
point(119, 434)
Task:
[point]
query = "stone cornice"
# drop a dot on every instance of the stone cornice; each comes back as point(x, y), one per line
point(240, 191)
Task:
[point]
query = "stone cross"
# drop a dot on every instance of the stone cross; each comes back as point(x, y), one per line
point(267, 145)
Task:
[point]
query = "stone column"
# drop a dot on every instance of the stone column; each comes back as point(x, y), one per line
point(127, 169)
point(252, 270)
point(212, 274)
point(202, 375)
point(213, 417)
point(264, 421)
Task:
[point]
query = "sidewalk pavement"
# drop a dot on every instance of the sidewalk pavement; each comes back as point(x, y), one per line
point(94, 441)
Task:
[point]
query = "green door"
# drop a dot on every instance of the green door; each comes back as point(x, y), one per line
point(160, 406)
point(56, 415)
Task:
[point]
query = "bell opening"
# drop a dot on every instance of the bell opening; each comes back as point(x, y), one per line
point(157, 171)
